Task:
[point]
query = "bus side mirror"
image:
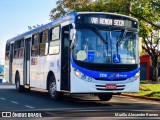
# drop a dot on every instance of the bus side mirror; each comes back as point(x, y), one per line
point(71, 34)
point(72, 37)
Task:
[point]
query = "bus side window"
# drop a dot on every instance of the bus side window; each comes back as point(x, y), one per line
point(21, 48)
point(7, 52)
point(16, 47)
point(16, 53)
point(55, 39)
point(43, 43)
point(35, 45)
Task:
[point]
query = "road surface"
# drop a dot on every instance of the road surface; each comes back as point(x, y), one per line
point(38, 101)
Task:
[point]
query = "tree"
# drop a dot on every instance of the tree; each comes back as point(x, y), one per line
point(35, 26)
point(146, 11)
point(148, 14)
point(151, 47)
point(59, 10)
point(66, 6)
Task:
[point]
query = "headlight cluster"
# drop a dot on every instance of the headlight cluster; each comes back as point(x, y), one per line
point(82, 76)
point(134, 77)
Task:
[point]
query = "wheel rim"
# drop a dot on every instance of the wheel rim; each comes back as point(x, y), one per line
point(52, 88)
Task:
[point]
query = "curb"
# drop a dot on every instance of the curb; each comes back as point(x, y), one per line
point(147, 98)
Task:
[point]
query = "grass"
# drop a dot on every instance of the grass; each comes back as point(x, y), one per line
point(149, 90)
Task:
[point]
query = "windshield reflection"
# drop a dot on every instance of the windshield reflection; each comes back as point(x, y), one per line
point(120, 48)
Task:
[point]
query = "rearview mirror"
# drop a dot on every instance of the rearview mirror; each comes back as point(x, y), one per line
point(72, 37)
point(71, 34)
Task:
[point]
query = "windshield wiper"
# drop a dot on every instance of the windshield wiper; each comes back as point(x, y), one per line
point(100, 35)
point(120, 39)
point(122, 36)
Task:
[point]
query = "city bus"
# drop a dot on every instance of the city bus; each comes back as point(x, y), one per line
point(79, 53)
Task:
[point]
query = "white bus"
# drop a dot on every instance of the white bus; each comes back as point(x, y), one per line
point(82, 52)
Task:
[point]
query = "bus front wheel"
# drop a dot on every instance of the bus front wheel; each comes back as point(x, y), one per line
point(105, 97)
point(54, 94)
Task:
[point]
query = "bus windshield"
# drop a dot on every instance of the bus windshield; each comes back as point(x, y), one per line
point(108, 47)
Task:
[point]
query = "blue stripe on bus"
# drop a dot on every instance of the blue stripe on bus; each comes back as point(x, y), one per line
point(105, 75)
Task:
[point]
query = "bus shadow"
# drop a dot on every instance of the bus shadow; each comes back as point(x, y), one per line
point(89, 101)
point(70, 100)
point(74, 101)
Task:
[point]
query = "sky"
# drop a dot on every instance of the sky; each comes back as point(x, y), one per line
point(17, 15)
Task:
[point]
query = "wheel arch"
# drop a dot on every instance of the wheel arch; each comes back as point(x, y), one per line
point(50, 73)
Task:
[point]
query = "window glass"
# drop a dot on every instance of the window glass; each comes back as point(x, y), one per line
point(7, 51)
point(35, 45)
point(43, 51)
point(56, 33)
point(44, 36)
point(16, 45)
point(121, 47)
point(35, 39)
point(7, 47)
point(43, 43)
point(34, 50)
point(54, 47)
point(22, 43)
point(21, 53)
point(16, 53)
point(19, 48)
point(7, 56)
point(54, 43)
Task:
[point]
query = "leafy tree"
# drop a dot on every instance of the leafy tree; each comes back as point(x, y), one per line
point(146, 11)
point(151, 47)
point(66, 6)
point(35, 26)
point(148, 14)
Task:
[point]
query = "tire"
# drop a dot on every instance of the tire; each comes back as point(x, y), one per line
point(27, 89)
point(52, 90)
point(105, 97)
point(19, 87)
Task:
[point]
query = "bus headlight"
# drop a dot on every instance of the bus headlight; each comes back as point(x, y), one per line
point(82, 76)
point(78, 73)
point(137, 74)
point(135, 77)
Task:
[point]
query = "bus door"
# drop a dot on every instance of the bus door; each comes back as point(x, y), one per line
point(65, 59)
point(11, 63)
point(26, 72)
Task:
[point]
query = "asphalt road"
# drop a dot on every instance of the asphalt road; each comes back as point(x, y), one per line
point(38, 101)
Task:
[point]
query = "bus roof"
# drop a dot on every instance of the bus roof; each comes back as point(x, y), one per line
point(70, 16)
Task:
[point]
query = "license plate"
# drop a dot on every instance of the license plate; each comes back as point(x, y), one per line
point(111, 86)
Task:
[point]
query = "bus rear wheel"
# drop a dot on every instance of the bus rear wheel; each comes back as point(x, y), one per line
point(52, 90)
point(19, 87)
point(105, 97)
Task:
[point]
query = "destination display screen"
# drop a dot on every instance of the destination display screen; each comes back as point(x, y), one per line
point(107, 20)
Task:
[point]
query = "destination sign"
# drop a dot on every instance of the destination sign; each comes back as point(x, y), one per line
point(107, 20)
point(104, 21)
